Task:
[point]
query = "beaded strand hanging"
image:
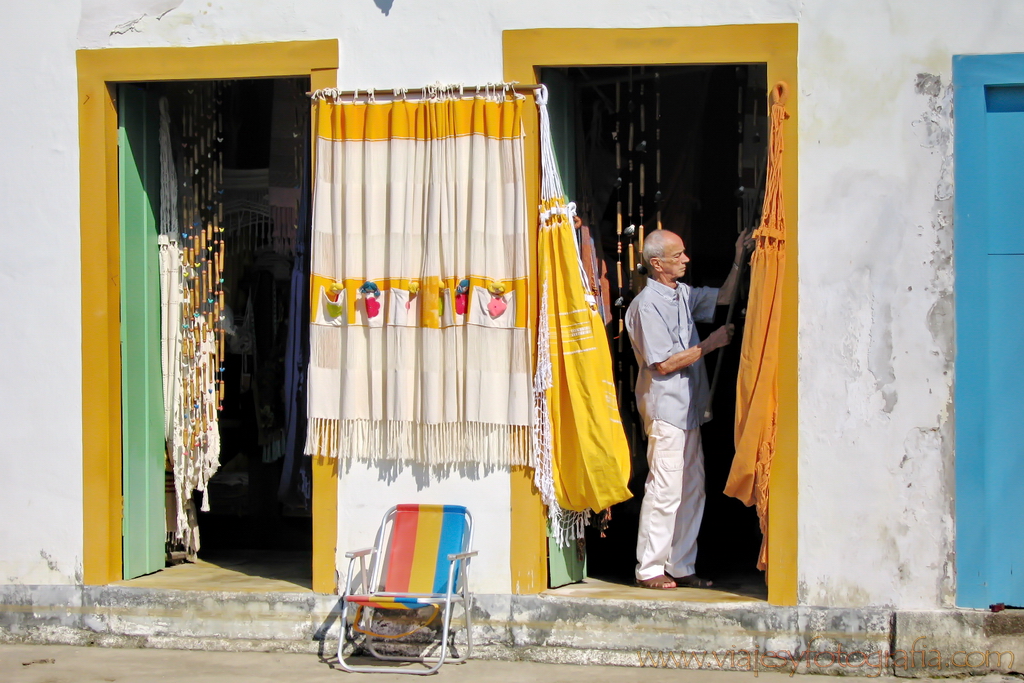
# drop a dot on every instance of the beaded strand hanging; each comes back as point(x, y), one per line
point(202, 246)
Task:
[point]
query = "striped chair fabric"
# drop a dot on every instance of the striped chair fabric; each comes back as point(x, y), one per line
point(416, 572)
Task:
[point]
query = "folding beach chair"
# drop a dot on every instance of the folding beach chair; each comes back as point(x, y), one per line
point(420, 558)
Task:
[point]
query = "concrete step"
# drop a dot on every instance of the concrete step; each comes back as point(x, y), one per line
point(744, 636)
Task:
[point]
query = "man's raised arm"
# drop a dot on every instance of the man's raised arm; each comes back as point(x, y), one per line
point(744, 243)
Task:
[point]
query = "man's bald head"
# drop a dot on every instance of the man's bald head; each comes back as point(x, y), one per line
point(656, 242)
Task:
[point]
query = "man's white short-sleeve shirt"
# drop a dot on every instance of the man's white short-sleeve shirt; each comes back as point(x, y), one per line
point(660, 322)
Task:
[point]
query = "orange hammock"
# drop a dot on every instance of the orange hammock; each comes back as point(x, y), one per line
point(757, 390)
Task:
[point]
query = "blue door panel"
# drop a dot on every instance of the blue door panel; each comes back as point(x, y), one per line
point(1005, 142)
point(989, 392)
point(1004, 98)
point(987, 70)
point(1004, 443)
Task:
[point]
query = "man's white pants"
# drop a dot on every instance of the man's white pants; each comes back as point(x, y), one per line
point(673, 502)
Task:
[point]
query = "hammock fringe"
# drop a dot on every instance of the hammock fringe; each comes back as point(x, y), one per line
point(565, 526)
point(448, 443)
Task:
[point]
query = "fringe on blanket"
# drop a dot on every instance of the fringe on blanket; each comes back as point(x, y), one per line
point(446, 443)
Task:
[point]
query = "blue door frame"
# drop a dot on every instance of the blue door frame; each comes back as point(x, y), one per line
point(989, 263)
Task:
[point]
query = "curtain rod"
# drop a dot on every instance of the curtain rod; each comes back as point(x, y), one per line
point(420, 91)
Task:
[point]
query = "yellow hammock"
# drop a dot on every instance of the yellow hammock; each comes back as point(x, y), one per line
point(578, 421)
point(757, 390)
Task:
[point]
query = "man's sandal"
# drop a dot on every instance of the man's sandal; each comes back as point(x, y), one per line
point(691, 581)
point(661, 583)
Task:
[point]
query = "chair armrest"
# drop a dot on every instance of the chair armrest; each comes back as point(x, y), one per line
point(462, 556)
point(352, 556)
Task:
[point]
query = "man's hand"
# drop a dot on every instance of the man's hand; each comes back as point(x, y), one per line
point(719, 338)
point(744, 245)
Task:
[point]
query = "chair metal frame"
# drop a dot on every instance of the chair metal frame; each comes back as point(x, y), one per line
point(378, 556)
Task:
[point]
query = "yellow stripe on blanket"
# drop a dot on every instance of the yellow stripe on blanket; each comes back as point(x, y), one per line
point(420, 121)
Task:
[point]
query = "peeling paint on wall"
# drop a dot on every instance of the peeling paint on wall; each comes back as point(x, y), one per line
point(936, 126)
point(50, 562)
point(880, 361)
point(877, 344)
point(928, 451)
point(101, 19)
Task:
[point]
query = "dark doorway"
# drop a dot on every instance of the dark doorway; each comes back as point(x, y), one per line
point(679, 147)
point(241, 157)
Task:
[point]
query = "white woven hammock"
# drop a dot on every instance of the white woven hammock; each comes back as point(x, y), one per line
point(565, 526)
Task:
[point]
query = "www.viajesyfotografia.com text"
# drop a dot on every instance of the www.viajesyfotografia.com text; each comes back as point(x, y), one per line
point(814, 660)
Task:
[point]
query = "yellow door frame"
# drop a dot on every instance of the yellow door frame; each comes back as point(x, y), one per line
point(525, 52)
point(98, 73)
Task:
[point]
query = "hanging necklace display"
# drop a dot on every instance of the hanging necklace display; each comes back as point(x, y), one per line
point(641, 149)
point(627, 235)
point(657, 148)
point(620, 294)
point(192, 299)
point(630, 186)
point(202, 215)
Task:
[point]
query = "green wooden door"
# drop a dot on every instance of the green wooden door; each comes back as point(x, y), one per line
point(142, 431)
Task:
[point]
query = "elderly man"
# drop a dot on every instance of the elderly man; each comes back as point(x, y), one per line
point(672, 395)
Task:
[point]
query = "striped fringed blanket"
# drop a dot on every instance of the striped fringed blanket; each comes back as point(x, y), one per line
point(419, 343)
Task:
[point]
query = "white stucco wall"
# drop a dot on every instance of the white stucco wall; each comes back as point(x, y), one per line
point(876, 321)
point(876, 329)
point(365, 492)
point(876, 307)
point(40, 334)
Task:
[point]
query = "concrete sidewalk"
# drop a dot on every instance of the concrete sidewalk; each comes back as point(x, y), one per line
point(70, 664)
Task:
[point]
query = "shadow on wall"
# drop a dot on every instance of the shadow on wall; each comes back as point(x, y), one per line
point(389, 470)
point(384, 5)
